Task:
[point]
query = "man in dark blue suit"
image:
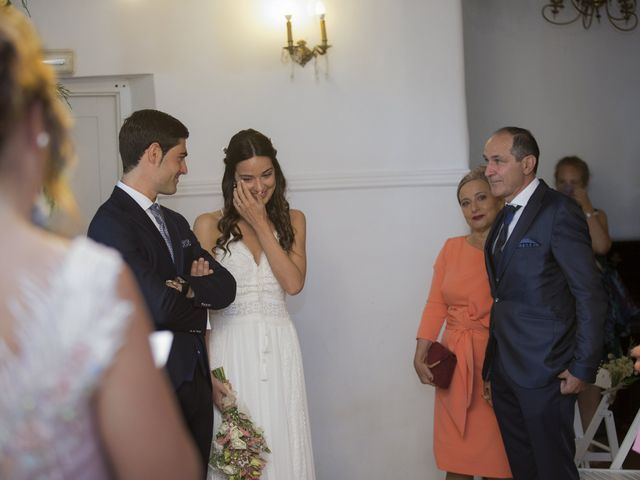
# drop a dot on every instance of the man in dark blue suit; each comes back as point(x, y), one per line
point(178, 279)
point(547, 317)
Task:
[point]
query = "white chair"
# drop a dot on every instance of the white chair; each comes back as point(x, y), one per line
point(614, 452)
point(585, 439)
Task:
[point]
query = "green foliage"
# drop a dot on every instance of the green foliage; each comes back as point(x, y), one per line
point(63, 91)
point(24, 5)
point(621, 371)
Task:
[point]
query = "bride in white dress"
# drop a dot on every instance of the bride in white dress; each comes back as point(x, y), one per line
point(262, 243)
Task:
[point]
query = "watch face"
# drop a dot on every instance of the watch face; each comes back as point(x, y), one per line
point(178, 284)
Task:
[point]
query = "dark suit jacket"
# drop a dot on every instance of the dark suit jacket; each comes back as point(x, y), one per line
point(549, 303)
point(121, 223)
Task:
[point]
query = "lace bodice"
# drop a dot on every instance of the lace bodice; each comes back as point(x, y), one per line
point(68, 333)
point(258, 291)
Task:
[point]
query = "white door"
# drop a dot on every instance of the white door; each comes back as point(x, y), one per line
point(95, 133)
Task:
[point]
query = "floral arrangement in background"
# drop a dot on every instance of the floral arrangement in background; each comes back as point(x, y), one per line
point(239, 447)
point(620, 372)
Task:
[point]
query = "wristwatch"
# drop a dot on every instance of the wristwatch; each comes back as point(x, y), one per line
point(591, 214)
point(180, 284)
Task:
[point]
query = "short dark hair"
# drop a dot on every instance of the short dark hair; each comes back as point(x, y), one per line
point(578, 164)
point(145, 127)
point(524, 143)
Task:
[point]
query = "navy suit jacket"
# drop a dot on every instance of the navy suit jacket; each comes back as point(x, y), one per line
point(122, 224)
point(549, 303)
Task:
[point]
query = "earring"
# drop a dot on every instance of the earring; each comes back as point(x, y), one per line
point(42, 140)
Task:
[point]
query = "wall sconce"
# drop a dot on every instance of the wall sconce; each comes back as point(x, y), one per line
point(61, 60)
point(623, 16)
point(300, 53)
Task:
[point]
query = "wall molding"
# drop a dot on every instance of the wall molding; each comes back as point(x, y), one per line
point(341, 181)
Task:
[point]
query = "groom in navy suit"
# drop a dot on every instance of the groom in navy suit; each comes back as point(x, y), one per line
point(178, 279)
point(547, 317)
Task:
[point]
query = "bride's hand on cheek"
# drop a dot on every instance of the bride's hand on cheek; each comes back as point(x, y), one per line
point(250, 208)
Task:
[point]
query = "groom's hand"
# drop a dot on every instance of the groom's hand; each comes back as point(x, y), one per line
point(200, 268)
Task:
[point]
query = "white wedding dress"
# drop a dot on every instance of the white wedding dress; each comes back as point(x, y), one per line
point(69, 324)
point(256, 343)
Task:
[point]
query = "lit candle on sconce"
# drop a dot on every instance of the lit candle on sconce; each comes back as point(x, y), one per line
point(321, 11)
point(289, 33)
point(300, 53)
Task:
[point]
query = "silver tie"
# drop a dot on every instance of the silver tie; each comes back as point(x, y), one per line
point(157, 214)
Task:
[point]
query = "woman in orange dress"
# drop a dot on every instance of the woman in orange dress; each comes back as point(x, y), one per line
point(466, 438)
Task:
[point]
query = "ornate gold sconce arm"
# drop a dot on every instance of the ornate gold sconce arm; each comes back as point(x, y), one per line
point(300, 53)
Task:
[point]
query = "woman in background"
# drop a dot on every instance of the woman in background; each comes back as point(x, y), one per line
point(466, 437)
point(80, 397)
point(262, 243)
point(572, 178)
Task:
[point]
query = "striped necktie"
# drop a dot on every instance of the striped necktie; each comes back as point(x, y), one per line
point(157, 214)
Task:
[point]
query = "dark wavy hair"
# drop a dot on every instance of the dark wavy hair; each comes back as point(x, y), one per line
point(244, 145)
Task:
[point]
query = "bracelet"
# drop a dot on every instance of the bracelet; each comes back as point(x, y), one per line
point(591, 214)
point(184, 285)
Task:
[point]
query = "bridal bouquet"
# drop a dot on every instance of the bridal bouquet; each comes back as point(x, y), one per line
point(239, 445)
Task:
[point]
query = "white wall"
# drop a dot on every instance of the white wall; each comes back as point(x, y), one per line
point(373, 153)
point(575, 89)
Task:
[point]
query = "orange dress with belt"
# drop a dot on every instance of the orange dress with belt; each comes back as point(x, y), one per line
point(466, 438)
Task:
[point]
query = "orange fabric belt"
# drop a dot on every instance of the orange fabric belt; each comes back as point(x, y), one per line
point(459, 331)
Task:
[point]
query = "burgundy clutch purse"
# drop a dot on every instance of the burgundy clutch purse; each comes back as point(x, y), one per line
point(442, 362)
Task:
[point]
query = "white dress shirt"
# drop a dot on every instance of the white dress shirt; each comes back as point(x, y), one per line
point(141, 199)
point(522, 199)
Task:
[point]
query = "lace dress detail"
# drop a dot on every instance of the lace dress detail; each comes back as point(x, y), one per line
point(256, 343)
point(68, 333)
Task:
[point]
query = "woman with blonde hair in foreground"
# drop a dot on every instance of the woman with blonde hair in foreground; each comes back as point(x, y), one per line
point(466, 438)
point(81, 397)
